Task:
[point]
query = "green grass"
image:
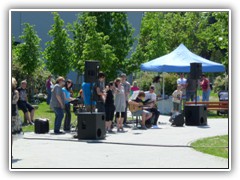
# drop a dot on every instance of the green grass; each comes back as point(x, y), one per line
point(43, 111)
point(217, 146)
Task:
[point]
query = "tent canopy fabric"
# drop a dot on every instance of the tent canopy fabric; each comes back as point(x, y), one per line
point(179, 61)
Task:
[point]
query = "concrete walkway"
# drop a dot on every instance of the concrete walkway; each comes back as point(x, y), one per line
point(166, 147)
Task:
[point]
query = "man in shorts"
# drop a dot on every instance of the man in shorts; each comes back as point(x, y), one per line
point(24, 105)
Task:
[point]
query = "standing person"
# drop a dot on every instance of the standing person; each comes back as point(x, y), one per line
point(177, 97)
point(120, 104)
point(57, 104)
point(49, 88)
point(16, 121)
point(24, 105)
point(153, 109)
point(109, 107)
point(138, 102)
point(127, 88)
point(87, 95)
point(182, 82)
point(191, 86)
point(67, 96)
point(134, 87)
point(157, 85)
point(205, 85)
point(98, 92)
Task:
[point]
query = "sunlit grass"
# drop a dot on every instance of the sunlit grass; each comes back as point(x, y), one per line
point(217, 146)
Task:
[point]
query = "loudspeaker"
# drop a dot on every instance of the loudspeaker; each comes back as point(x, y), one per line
point(195, 70)
point(195, 115)
point(91, 71)
point(41, 126)
point(91, 125)
point(177, 119)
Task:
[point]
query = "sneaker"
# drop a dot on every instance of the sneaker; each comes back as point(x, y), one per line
point(58, 132)
point(75, 136)
point(25, 124)
point(31, 123)
point(144, 127)
point(110, 131)
point(155, 127)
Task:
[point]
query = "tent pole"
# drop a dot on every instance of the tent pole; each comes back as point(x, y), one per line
point(163, 87)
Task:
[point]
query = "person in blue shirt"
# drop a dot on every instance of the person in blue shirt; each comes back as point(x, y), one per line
point(67, 98)
point(86, 88)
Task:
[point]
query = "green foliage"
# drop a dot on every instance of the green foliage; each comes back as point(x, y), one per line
point(95, 47)
point(144, 80)
point(115, 25)
point(106, 37)
point(204, 33)
point(58, 53)
point(220, 83)
point(27, 54)
point(170, 83)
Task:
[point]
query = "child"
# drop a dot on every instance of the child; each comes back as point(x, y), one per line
point(177, 97)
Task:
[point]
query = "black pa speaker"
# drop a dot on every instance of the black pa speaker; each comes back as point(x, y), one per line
point(91, 71)
point(41, 126)
point(196, 70)
point(177, 119)
point(195, 115)
point(91, 125)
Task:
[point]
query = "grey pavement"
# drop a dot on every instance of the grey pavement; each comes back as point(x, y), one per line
point(165, 147)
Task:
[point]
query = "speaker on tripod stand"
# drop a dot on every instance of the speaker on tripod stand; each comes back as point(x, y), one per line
point(91, 71)
point(91, 125)
point(195, 114)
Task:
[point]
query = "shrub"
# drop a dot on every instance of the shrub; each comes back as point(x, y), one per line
point(144, 80)
point(170, 83)
point(219, 83)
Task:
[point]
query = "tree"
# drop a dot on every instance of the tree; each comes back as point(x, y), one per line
point(29, 52)
point(58, 53)
point(89, 44)
point(27, 56)
point(95, 47)
point(116, 26)
point(204, 33)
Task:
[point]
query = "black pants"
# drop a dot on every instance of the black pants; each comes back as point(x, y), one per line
point(67, 120)
point(125, 115)
point(156, 114)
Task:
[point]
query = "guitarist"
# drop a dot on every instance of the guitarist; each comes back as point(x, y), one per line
point(153, 108)
point(138, 103)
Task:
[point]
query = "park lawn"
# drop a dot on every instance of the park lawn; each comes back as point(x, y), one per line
point(44, 111)
point(217, 146)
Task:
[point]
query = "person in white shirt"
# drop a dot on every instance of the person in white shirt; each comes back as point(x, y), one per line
point(150, 95)
point(182, 82)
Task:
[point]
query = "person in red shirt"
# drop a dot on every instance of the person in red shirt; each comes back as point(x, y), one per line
point(205, 85)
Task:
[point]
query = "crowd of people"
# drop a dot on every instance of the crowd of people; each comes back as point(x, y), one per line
point(111, 98)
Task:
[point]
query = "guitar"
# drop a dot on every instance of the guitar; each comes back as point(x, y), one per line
point(133, 108)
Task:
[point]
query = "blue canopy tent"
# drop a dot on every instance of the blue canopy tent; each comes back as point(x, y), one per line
point(179, 61)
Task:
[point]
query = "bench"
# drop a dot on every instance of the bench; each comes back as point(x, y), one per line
point(212, 106)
